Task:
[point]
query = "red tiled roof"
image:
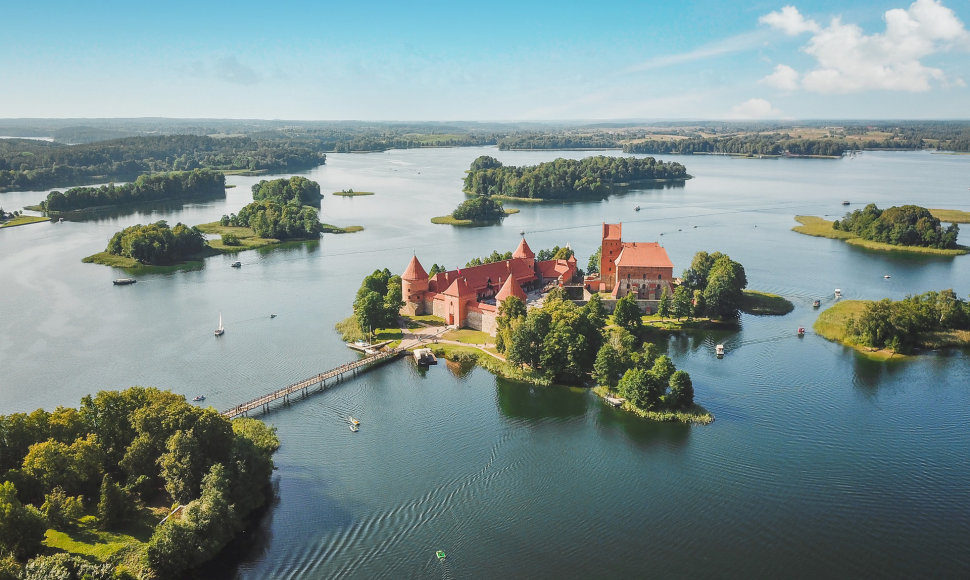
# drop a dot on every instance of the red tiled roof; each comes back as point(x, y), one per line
point(414, 270)
point(523, 251)
point(459, 288)
point(643, 254)
point(478, 278)
point(612, 231)
point(510, 288)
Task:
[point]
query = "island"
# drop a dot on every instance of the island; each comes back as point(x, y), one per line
point(195, 184)
point(885, 328)
point(131, 484)
point(351, 193)
point(479, 211)
point(907, 228)
point(277, 215)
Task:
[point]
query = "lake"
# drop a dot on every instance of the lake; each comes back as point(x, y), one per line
point(820, 462)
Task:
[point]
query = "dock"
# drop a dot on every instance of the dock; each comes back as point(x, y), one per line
point(615, 401)
point(424, 356)
point(320, 382)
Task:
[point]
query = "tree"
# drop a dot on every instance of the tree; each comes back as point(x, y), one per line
point(21, 527)
point(664, 307)
point(681, 394)
point(627, 313)
point(66, 567)
point(593, 266)
point(370, 312)
point(608, 367)
point(61, 510)
point(682, 302)
point(724, 293)
point(634, 386)
point(113, 506)
point(183, 466)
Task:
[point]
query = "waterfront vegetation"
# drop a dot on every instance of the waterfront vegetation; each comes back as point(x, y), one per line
point(693, 414)
point(16, 218)
point(239, 238)
point(819, 227)
point(764, 303)
point(483, 219)
point(885, 327)
point(953, 216)
point(564, 179)
point(198, 183)
point(713, 286)
point(296, 190)
point(351, 193)
point(378, 302)
point(760, 145)
point(84, 489)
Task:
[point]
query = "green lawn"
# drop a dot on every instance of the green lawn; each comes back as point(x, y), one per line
point(468, 336)
point(427, 319)
point(23, 220)
point(125, 547)
point(248, 240)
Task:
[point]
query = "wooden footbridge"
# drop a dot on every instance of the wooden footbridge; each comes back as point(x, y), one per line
point(319, 382)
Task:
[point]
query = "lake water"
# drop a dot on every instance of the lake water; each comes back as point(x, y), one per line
point(820, 463)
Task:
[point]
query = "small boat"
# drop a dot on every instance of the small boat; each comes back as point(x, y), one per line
point(440, 554)
point(887, 276)
point(198, 398)
point(272, 316)
point(354, 428)
point(719, 350)
point(354, 422)
point(237, 264)
point(838, 293)
point(637, 208)
point(801, 331)
point(816, 303)
point(220, 331)
point(60, 220)
point(845, 203)
point(123, 281)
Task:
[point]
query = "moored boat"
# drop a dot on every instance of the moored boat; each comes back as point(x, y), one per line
point(123, 281)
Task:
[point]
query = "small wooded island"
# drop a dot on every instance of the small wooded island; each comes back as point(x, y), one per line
point(277, 215)
point(195, 184)
point(906, 228)
point(84, 490)
point(883, 328)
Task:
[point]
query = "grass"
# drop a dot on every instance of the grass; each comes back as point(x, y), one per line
point(352, 193)
point(350, 331)
point(426, 319)
point(449, 220)
point(23, 220)
point(830, 325)
point(125, 547)
point(695, 414)
point(953, 216)
point(248, 240)
point(763, 303)
point(135, 267)
point(468, 336)
point(469, 354)
point(655, 322)
point(816, 226)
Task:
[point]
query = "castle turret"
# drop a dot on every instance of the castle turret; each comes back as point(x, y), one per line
point(610, 250)
point(414, 282)
point(523, 251)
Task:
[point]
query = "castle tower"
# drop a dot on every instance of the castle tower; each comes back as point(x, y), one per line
point(611, 248)
point(414, 283)
point(523, 251)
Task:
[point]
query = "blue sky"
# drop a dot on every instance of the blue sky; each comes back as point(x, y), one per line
point(497, 60)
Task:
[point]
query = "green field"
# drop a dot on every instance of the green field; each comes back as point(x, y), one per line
point(953, 216)
point(468, 336)
point(818, 227)
point(247, 238)
point(23, 220)
point(830, 325)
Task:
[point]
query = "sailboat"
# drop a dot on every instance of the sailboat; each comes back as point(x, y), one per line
point(220, 331)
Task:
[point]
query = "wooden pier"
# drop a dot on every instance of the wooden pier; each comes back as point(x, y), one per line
point(319, 382)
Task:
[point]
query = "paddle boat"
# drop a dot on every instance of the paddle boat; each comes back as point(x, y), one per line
point(801, 331)
point(198, 398)
point(354, 422)
point(816, 303)
point(354, 428)
point(838, 293)
point(440, 554)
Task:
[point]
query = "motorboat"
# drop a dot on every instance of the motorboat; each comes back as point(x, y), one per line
point(440, 554)
point(801, 331)
point(887, 276)
point(123, 281)
point(220, 331)
point(816, 303)
point(354, 428)
point(272, 316)
point(838, 293)
point(845, 203)
point(719, 350)
point(198, 398)
point(637, 208)
point(354, 422)
point(237, 264)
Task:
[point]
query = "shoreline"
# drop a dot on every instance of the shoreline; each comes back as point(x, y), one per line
point(822, 228)
point(450, 221)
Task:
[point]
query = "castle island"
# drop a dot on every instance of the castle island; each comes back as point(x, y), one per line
point(469, 297)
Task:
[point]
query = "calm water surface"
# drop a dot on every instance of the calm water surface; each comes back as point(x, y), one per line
point(820, 463)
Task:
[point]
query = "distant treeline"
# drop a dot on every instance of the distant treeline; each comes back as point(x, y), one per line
point(741, 145)
point(565, 178)
point(905, 225)
point(897, 325)
point(174, 185)
point(558, 141)
point(31, 164)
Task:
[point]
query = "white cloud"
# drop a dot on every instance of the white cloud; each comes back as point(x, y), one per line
point(850, 61)
point(732, 44)
point(784, 78)
point(790, 20)
point(755, 109)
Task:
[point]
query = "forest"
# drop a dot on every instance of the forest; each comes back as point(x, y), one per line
point(905, 225)
point(278, 211)
point(756, 144)
point(28, 164)
point(898, 325)
point(197, 183)
point(157, 244)
point(113, 468)
point(565, 178)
